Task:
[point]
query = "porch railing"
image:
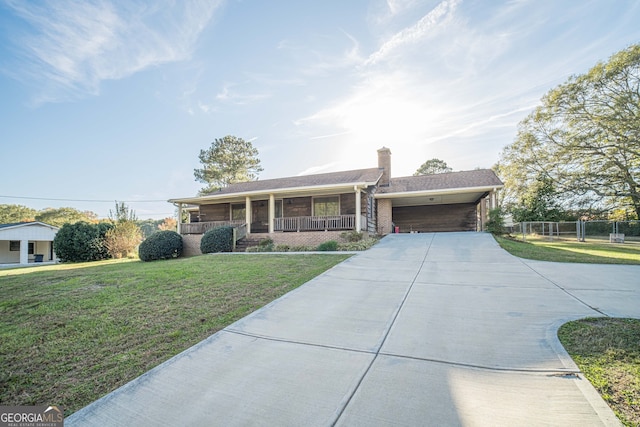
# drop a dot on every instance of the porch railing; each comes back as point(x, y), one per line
point(315, 223)
point(297, 223)
point(239, 233)
point(203, 227)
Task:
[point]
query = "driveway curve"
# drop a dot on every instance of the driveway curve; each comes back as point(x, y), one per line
point(439, 329)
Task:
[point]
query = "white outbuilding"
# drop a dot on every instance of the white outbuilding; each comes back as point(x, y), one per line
point(26, 242)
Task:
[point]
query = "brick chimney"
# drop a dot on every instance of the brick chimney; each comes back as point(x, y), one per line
point(384, 163)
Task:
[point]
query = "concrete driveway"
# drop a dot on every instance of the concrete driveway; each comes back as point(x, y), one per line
point(424, 329)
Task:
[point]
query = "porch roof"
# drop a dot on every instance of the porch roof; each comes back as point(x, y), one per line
point(292, 186)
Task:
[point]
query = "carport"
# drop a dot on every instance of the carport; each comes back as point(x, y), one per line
point(456, 201)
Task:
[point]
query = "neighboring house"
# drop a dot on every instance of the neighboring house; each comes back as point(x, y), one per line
point(25, 242)
point(310, 209)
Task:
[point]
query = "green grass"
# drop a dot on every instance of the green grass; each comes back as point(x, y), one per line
point(607, 351)
point(594, 252)
point(71, 333)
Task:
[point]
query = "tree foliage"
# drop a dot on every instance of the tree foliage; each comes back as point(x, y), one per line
point(16, 213)
point(52, 216)
point(125, 236)
point(584, 139)
point(60, 216)
point(228, 160)
point(81, 241)
point(122, 213)
point(433, 166)
point(168, 224)
point(122, 239)
point(538, 203)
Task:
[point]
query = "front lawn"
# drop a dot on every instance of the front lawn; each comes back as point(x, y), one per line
point(607, 351)
point(593, 251)
point(71, 333)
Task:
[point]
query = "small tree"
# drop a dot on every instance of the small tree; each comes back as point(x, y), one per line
point(227, 161)
point(123, 239)
point(433, 166)
point(122, 213)
point(125, 235)
point(495, 223)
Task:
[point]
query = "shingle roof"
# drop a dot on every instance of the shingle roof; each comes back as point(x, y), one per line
point(13, 224)
point(443, 181)
point(370, 175)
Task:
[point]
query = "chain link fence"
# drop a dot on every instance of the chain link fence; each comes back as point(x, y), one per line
point(613, 231)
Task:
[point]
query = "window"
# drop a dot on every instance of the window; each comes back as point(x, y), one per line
point(326, 206)
point(278, 212)
point(238, 212)
point(14, 246)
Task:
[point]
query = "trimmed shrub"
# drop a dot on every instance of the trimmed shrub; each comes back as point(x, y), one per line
point(362, 245)
point(266, 245)
point(81, 242)
point(282, 248)
point(495, 224)
point(161, 245)
point(331, 245)
point(218, 239)
point(352, 236)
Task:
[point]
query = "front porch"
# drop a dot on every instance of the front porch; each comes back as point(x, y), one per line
point(283, 224)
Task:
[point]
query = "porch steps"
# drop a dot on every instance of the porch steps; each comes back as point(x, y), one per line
point(243, 244)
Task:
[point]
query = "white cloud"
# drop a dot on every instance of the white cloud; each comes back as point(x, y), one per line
point(72, 46)
point(227, 94)
point(429, 23)
point(318, 169)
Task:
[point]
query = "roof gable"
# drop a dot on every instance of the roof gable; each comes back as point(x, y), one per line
point(26, 224)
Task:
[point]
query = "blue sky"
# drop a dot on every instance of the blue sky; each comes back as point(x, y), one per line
point(104, 100)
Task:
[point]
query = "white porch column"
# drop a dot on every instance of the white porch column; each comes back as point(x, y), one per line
point(483, 214)
point(24, 252)
point(358, 210)
point(494, 198)
point(272, 212)
point(179, 222)
point(247, 211)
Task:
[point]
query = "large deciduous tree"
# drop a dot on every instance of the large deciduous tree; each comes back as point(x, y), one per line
point(16, 213)
point(433, 166)
point(584, 139)
point(60, 216)
point(228, 160)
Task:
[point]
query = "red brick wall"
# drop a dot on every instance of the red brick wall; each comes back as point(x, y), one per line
point(191, 244)
point(384, 217)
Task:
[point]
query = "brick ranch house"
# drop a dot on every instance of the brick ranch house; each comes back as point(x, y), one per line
point(311, 209)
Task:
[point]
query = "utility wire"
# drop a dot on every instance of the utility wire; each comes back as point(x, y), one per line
point(83, 200)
